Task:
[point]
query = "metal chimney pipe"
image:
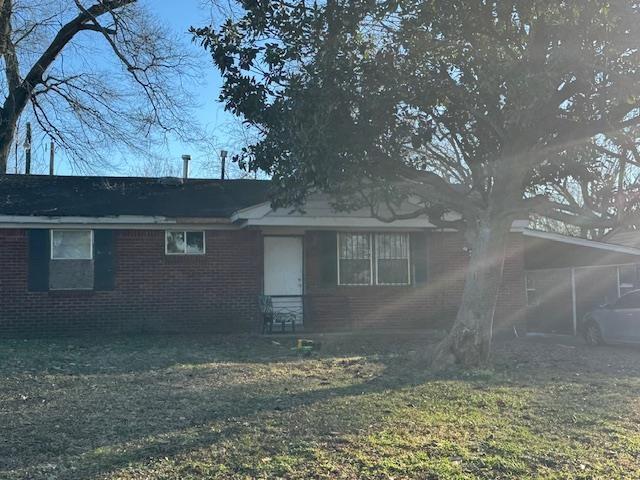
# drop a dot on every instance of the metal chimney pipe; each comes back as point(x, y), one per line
point(185, 166)
point(223, 158)
point(27, 152)
point(52, 156)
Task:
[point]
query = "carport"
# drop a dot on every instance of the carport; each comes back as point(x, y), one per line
point(567, 276)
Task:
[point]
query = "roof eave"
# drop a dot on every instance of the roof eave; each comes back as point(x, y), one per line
point(116, 221)
point(583, 242)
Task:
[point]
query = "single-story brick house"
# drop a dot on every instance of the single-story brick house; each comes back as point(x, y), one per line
point(80, 255)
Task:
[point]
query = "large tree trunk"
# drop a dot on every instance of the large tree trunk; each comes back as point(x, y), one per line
point(469, 341)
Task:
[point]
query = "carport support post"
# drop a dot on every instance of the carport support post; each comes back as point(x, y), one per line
point(573, 301)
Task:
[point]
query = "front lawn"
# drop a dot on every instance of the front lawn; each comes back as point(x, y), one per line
point(364, 407)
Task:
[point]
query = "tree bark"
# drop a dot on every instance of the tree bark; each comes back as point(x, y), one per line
point(469, 341)
point(7, 131)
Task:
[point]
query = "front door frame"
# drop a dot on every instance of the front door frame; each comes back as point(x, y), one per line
point(301, 236)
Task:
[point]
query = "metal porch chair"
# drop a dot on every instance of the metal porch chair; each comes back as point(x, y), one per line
point(270, 316)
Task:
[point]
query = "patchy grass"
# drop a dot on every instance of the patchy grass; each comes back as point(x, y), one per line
point(364, 407)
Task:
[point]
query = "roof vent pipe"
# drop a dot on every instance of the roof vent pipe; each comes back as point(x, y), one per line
point(27, 151)
point(223, 158)
point(185, 166)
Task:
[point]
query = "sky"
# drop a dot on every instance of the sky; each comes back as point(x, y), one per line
point(178, 15)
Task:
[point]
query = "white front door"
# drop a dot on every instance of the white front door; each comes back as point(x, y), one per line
point(283, 273)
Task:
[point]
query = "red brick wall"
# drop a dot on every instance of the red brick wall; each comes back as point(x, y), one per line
point(154, 292)
point(431, 305)
point(217, 291)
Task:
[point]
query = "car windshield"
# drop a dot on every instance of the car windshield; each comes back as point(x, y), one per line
point(630, 300)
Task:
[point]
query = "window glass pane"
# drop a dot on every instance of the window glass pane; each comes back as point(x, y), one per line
point(71, 245)
point(355, 258)
point(392, 256)
point(354, 246)
point(392, 246)
point(175, 242)
point(355, 272)
point(195, 242)
point(393, 272)
point(71, 274)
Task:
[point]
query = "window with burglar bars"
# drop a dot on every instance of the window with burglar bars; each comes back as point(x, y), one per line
point(392, 259)
point(354, 259)
point(368, 259)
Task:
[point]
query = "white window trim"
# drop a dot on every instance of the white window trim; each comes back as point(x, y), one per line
point(373, 266)
point(71, 230)
point(166, 243)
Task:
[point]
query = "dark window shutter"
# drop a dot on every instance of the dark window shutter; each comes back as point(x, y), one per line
point(104, 260)
point(327, 259)
point(419, 257)
point(38, 263)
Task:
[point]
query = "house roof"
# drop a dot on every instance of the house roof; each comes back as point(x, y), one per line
point(53, 196)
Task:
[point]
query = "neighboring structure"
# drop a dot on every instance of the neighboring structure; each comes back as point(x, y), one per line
point(80, 255)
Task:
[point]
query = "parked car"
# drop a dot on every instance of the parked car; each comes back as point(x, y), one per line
point(616, 322)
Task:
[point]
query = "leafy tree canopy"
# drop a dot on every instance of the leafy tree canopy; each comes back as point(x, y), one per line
point(480, 96)
point(494, 110)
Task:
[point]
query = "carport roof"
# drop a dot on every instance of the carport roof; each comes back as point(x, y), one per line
point(546, 250)
point(583, 242)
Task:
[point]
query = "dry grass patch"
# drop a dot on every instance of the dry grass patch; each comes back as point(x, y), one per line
point(364, 407)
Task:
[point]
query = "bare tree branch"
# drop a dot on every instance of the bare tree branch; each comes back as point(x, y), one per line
point(96, 106)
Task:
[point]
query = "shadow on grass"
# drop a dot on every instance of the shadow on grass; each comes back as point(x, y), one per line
point(129, 354)
point(166, 397)
point(78, 403)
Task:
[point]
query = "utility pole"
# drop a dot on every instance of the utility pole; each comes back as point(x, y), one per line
point(27, 147)
point(223, 158)
point(52, 156)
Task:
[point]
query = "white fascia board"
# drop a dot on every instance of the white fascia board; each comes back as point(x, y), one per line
point(133, 222)
point(583, 242)
point(253, 212)
point(64, 219)
point(336, 222)
point(356, 222)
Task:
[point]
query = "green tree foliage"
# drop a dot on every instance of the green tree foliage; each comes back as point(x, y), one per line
point(488, 109)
